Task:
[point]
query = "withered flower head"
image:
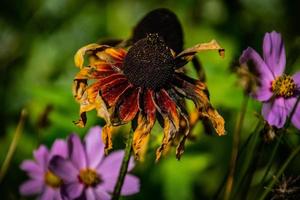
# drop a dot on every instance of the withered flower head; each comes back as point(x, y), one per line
point(142, 84)
point(288, 188)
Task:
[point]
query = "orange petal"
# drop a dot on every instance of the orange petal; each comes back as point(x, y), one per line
point(94, 72)
point(129, 106)
point(169, 134)
point(141, 136)
point(107, 138)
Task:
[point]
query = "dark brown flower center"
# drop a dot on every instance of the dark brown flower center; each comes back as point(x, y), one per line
point(52, 180)
point(149, 63)
point(284, 86)
point(89, 177)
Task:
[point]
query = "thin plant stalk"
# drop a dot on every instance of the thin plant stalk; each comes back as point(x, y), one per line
point(281, 170)
point(13, 145)
point(124, 167)
point(235, 148)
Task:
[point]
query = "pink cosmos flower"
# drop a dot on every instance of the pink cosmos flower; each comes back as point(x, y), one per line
point(43, 182)
point(87, 173)
point(277, 91)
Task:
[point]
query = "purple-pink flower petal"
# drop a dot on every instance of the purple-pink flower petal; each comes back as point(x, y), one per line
point(63, 168)
point(33, 169)
point(72, 190)
point(77, 152)
point(90, 194)
point(41, 157)
point(31, 187)
point(101, 193)
point(59, 148)
point(296, 117)
point(274, 53)
point(49, 194)
point(131, 185)
point(94, 147)
point(265, 75)
point(296, 78)
point(263, 93)
point(275, 112)
point(111, 165)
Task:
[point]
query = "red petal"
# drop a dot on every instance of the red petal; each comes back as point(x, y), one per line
point(167, 105)
point(108, 81)
point(149, 105)
point(130, 106)
point(113, 90)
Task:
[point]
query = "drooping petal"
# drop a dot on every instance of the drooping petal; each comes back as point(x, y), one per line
point(32, 187)
point(274, 53)
point(49, 194)
point(111, 165)
point(33, 169)
point(90, 194)
point(41, 156)
point(168, 107)
point(79, 56)
point(146, 120)
point(188, 54)
point(169, 134)
point(275, 112)
point(77, 152)
point(296, 78)
point(101, 193)
point(59, 148)
point(265, 74)
point(262, 93)
point(198, 93)
point(130, 106)
point(63, 168)
point(72, 190)
point(94, 147)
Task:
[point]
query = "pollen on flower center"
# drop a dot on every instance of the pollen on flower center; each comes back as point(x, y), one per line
point(89, 177)
point(149, 63)
point(283, 86)
point(52, 180)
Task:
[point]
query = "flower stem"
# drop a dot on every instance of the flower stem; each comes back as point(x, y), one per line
point(124, 167)
point(281, 170)
point(13, 145)
point(235, 147)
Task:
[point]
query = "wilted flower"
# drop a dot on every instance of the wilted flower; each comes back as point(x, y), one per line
point(277, 91)
point(287, 189)
point(144, 83)
point(87, 174)
point(43, 181)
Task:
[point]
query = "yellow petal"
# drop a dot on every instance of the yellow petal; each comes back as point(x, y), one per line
point(79, 56)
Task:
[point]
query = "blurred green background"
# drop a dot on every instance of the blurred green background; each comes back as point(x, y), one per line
point(38, 39)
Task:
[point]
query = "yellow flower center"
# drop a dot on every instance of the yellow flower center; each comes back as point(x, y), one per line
point(89, 177)
point(52, 180)
point(283, 86)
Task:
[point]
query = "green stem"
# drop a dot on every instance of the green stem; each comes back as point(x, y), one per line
point(13, 145)
point(124, 167)
point(281, 170)
point(235, 147)
point(269, 165)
